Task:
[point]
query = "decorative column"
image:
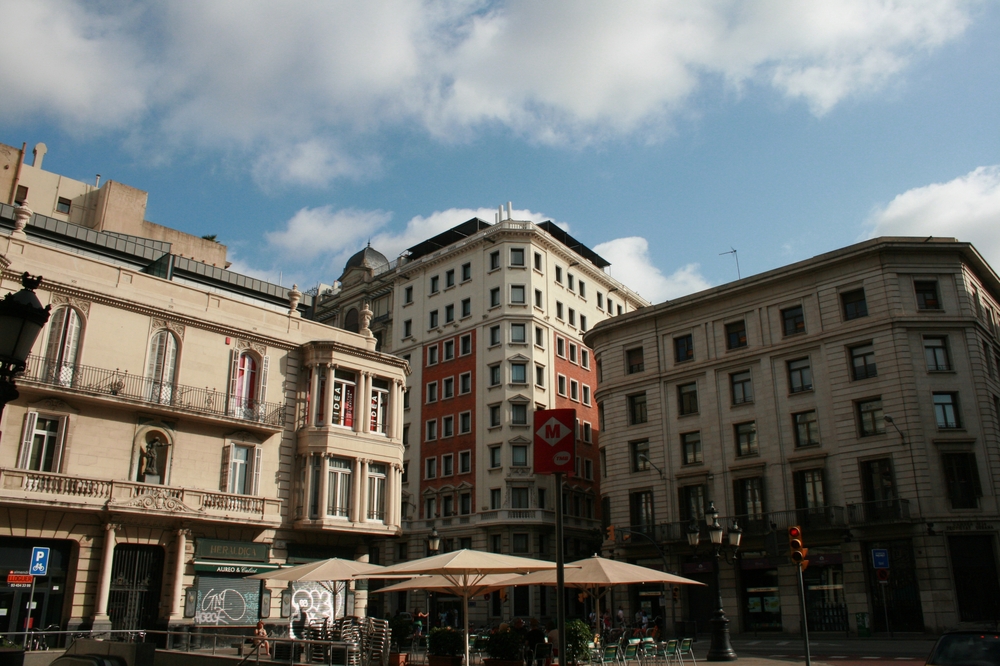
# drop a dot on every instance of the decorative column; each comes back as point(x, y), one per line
point(396, 410)
point(366, 424)
point(390, 492)
point(313, 394)
point(104, 582)
point(324, 485)
point(331, 371)
point(356, 510)
point(361, 406)
point(361, 585)
point(176, 603)
point(363, 499)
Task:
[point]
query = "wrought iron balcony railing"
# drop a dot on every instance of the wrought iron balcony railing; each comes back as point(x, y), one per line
point(100, 381)
point(879, 511)
point(752, 524)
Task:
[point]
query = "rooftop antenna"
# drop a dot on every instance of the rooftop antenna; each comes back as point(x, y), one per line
point(732, 251)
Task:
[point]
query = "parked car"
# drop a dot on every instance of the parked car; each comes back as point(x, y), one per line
point(966, 648)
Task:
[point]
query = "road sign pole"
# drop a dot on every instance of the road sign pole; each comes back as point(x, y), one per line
point(805, 618)
point(28, 621)
point(560, 579)
point(885, 607)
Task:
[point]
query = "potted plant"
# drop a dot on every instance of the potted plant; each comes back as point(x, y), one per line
point(444, 647)
point(577, 636)
point(505, 648)
point(402, 629)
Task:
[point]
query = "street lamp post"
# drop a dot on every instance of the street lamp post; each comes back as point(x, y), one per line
point(720, 648)
point(21, 319)
point(433, 546)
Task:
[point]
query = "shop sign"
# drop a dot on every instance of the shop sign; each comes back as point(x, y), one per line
point(825, 559)
point(756, 563)
point(19, 579)
point(244, 551)
point(233, 568)
point(697, 567)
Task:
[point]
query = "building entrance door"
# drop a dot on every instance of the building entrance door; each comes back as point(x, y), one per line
point(899, 598)
point(974, 566)
point(136, 575)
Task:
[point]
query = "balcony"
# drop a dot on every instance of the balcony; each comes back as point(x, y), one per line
point(41, 489)
point(157, 396)
point(504, 516)
point(879, 512)
point(753, 525)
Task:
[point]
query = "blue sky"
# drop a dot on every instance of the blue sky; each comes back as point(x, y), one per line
point(661, 134)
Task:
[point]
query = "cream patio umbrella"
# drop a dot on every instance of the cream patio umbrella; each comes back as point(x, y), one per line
point(322, 572)
point(466, 570)
point(596, 572)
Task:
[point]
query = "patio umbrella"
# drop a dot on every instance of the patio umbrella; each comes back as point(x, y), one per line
point(466, 570)
point(597, 572)
point(322, 572)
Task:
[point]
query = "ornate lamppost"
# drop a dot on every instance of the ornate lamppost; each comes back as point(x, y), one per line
point(433, 546)
point(21, 320)
point(720, 648)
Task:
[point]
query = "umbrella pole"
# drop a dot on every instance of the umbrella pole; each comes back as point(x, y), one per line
point(465, 615)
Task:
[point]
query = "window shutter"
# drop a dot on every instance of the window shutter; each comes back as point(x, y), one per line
point(57, 458)
point(55, 337)
point(977, 489)
point(262, 393)
point(227, 463)
point(234, 373)
point(257, 454)
point(72, 339)
point(24, 456)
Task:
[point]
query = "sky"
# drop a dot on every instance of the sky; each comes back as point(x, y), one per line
point(664, 135)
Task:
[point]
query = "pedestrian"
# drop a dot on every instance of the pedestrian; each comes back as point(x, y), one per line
point(621, 617)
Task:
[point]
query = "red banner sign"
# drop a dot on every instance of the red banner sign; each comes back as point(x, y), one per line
point(15, 579)
point(555, 441)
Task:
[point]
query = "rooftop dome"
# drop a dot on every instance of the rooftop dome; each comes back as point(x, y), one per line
point(367, 258)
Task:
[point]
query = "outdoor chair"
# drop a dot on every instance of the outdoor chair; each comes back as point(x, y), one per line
point(611, 656)
point(632, 653)
point(669, 651)
point(542, 654)
point(685, 651)
point(418, 655)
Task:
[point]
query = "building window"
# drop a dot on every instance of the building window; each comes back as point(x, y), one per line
point(518, 373)
point(749, 497)
point(863, 362)
point(586, 395)
point(746, 438)
point(539, 336)
point(518, 333)
point(243, 469)
point(407, 295)
point(408, 328)
point(583, 322)
point(584, 358)
point(432, 355)
point(572, 317)
point(466, 307)
point(640, 455)
point(430, 507)
point(870, 420)
point(519, 455)
point(582, 289)
point(809, 491)
point(962, 477)
point(495, 297)
point(494, 260)
point(447, 465)
point(588, 432)
point(572, 353)
point(465, 383)
point(465, 505)
point(559, 310)
point(569, 281)
point(742, 387)
point(517, 256)
point(449, 350)
point(338, 498)
point(927, 295)
point(447, 426)
point(494, 457)
point(447, 509)
point(946, 410)
point(519, 498)
point(539, 376)
point(42, 443)
point(519, 544)
point(433, 319)
point(465, 423)
point(466, 272)
point(378, 407)
point(495, 375)
point(794, 321)
point(539, 298)
point(641, 510)
point(559, 274)
point(560, 347)
point(343, 398)
point(432, 392)
point(495, 504)
point(494, 335)
point(376, 491)
point(519, 414)
point(464, 462)
point(692, 503)
point(538, 261)
point(854, 304)
point(687, 399)
point(574, 389)
point(161, 366)
point(588, 469)
point(736, 335)
point(430, 468)
point(936, 353)
point(431, 430)
point(449, 278)
point(691, 447)
point(683, 348)
point(806, 428)
point(517, 294)
point(633, 359)
point(465, 345)
point(799, 375)
point(636, 408)
point(561, 388)
point(494, 416)
point(434, 284)
point(449, 313)
point(63, 346)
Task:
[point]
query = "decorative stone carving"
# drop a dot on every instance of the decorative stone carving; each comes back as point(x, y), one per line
point(160, 499)
point(294, 296)
point(174, 327)
point(78, 303)
point(22, 214)
point(242, 345)
point(366, 319)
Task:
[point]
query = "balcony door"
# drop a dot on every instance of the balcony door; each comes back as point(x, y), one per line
point(161, 367)
point(878, 487)
point(63, 347)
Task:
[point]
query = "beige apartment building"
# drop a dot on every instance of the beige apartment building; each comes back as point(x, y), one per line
point(179, 426)
point(854, 394)
point(490, 318)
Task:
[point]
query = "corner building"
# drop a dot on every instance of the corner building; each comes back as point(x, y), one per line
point(175, 429)
point(854, 394)
point(490, 318)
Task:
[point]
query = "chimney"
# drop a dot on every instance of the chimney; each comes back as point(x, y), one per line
point(39, 153)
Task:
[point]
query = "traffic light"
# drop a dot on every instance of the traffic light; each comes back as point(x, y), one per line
point(797, 551)
point(581, 597)
point(503, 594)
point(611, 533)
point(627, 537)
point(677, 593)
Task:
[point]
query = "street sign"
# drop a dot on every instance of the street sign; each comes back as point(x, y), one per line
point(555, 441)
point(19, 579)
point(880, 558)
point(39, 561)
point(882, 575)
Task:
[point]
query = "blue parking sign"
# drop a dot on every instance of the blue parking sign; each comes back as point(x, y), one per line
point(39, 561)
point(880, 558)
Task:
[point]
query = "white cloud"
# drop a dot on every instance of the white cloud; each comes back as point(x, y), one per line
point(967, 208)
point(630, 265)
point(301, 87)
point(315, 231)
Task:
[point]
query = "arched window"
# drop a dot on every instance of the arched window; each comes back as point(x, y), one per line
point(247, 384)
point(161, 366)
point(351, 320)
point(63, 347)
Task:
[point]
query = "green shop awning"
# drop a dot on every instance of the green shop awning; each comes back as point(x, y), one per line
point(238, 568)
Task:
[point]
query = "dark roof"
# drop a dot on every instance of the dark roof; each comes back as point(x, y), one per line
point(446, 238)
point(575, 245)
point(369, 257)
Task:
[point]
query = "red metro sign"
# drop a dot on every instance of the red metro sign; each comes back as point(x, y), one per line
point(555, 441)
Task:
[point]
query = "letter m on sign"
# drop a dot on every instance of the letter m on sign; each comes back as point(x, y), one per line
point(555, 441)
